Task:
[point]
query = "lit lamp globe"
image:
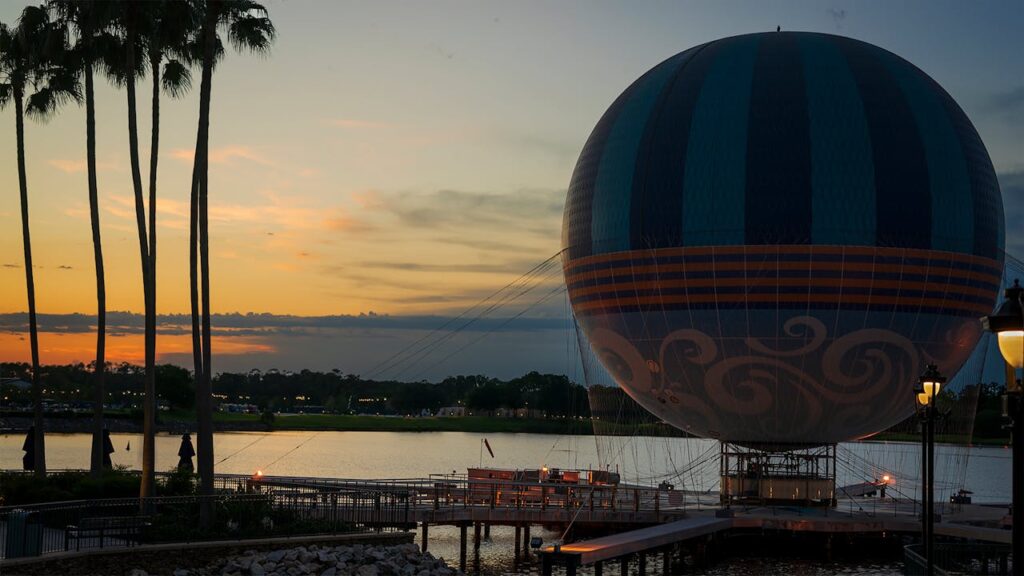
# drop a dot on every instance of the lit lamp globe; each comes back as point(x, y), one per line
point(1007, 323)
point(929, 385)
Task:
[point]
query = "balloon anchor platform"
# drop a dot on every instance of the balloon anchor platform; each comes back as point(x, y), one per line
point(778, 474)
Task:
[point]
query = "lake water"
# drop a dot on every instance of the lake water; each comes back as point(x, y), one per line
point(690, 464)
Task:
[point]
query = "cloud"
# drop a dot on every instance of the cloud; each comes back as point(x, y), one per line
point(76, 166)
point(557, 150)
point(479, 268)
point(487, 245)
point(535, 210)
point(9, 265)
point(274, 211)
point(1009, 103)
point(224, 155)
point(65, 267)
point(254, 324)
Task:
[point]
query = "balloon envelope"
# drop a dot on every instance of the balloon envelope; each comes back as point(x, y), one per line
point(768, 236)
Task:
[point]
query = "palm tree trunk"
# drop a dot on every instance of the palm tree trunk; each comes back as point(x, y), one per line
point(37, 387)
point(149, 397)
point(154, 153)
point(204, 407)
point(96, 461)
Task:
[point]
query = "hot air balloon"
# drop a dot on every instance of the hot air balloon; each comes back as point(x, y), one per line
point(767, 237)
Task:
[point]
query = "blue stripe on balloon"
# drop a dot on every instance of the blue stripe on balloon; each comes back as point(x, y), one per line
point(614, 184)
point(952, 208)
point(658, 182)
point(842, 171)
point(989, 225)
point(576, 221)
point(902, 194)
point(716, 155)
point(778, 179)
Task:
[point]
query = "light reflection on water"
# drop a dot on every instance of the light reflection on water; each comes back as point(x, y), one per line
point(984, 470)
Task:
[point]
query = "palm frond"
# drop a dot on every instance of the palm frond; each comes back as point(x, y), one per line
point(59, 90)
point(6, 91)
point(177, 78)
point(109, 50)
point(252, 33)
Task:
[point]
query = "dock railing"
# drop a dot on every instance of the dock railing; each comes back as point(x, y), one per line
point(37, 529)
point(452, 492)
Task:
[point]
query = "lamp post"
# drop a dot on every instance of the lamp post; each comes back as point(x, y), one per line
point(1007, 323)
point(926, 390)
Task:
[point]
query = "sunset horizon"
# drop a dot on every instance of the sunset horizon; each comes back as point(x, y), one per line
point(347, 195)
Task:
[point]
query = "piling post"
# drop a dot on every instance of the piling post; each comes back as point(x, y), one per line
point(519, 531)
point(624, 566)
point(598, 568)
point(526, 542)
point(425, 538)
point(570, 567)
point(462, 546)
point(666, 560)
point(545, 565)
point(476, 536)
point(487, 531)
point(641, 568)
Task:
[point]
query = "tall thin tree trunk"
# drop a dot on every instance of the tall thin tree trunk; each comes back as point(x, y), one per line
point(96, 461)
point(149, 397)
point(30, 285)
point(154, 153)
point(204, 404)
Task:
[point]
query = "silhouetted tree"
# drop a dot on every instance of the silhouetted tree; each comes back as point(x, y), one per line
point(247, 26)
point(84, 24)
point(23, 63)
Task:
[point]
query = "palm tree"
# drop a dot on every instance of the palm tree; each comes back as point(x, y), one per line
point(248, 27)
point(88, 20)
point(22, 65)
point(154, 33)
point(166, 29)
point(132, 20)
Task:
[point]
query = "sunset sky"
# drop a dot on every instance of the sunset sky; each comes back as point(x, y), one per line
point(408, 159)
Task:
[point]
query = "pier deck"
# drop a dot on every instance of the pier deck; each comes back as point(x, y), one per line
point(634, 541)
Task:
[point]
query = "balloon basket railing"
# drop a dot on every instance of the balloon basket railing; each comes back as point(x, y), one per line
point(778, 475)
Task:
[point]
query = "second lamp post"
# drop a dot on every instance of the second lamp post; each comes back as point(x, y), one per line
point(926, 391)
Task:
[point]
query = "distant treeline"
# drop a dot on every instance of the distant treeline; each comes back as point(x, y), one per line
point(533, 394)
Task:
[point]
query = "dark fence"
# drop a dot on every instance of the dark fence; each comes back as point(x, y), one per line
point(252, 512)
point(958, 558)
point(447, 492)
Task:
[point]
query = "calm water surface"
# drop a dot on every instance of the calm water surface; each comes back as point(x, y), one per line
point(690, 464)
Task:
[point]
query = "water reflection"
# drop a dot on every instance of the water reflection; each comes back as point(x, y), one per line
point(690, 464)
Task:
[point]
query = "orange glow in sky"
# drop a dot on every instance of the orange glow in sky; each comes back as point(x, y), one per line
point(59, 348)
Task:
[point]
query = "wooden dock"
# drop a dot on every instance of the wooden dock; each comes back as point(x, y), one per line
point(699, 528)
point(616, 546)
point(643, 521)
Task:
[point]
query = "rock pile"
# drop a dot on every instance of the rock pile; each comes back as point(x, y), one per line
point(355, 560)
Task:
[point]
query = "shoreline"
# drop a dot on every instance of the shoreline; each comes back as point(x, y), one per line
point(177, 423)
